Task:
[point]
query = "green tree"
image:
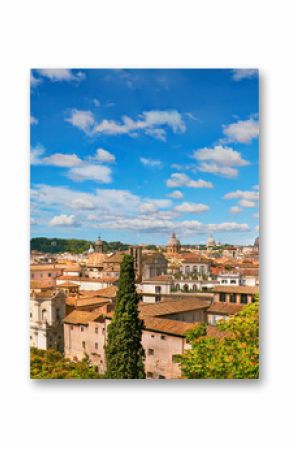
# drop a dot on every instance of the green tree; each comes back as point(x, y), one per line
point(235, 356)
point(51, 364)
point(124, 351)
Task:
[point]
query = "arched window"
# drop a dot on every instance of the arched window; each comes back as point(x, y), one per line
point(44, 314)
point(185, 287)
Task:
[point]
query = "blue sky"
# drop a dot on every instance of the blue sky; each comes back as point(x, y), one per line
point(134, 155)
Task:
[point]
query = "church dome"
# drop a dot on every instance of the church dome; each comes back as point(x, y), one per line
point(99, 242)
point(210, 241)
point(173, 241)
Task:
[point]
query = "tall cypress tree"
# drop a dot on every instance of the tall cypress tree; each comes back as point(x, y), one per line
point(124, 351)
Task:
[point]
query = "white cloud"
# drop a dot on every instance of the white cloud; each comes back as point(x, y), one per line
point(62, 160)
point(242, 131)
point(257, 228)
point(224, 156)
point(176, 194)
point(90, 172)
point(63, 220)
point(35, 155)
point(182, 180)
point(240, 74)
point(33, 120)
point(151, 162)
point(242, 194)
point(228, 172)
point(247, 203)
point(119, 210)
point(104, 156)
point(228, 227)
point(235, 210)
point(83, 120)
point(149, 122)
point(82, 202)
point(33, 80)
point(56, 159)
point(191, 207)
point(256, 215)
point(56, 75)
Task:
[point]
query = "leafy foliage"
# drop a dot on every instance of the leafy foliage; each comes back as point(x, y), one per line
point(51, 364)
point(235, 356)
point(124, 351)
point(75, 246)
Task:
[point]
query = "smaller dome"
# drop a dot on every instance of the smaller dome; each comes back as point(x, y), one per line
point(173, 241)
point(99, 242)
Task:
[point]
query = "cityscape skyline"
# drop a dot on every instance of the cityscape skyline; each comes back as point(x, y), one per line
point(134, 155)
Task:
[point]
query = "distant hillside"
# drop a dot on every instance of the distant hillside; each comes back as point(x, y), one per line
point(74, 246)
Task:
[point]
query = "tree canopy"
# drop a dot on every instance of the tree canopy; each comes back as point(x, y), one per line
point(75, 246)
point(51, 364)
point(124, 351)
point(235, 356)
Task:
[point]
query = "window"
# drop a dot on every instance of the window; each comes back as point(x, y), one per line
point(233, 281)
point(44, 315)
point(152, 336)
point(71, 328)
point(30, 314)
point(233, 297)
point(157, 289)
point(84, 344)
point(82, 328)
point(163, 337)
point(149, 375)
point(103, 331)
point(49, 275)
point(161, 377)
point(57, 314)
point(96, 345)
point(222, 297)
point(96, 330)
point(224, 281)
point(244, 298)
point(150, 351)
point(32, 276)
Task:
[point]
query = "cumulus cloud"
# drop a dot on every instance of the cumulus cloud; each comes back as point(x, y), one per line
point(176, 194)
point(235, 210)
point(247, 203)
point(191, 207)
point(153, 163)
point(91, 172)
point(219, 160)
point(150, 122)
point(240, 74)
point(57, 75)
point(33, 120)
point(182, 180)
point(216, 169)
point(242, 131)
point(119, 210)
point(104, 156)
point(56, 159)
point(63, 220)
point(242, 194)
point(62, 160)
point(83, 120)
